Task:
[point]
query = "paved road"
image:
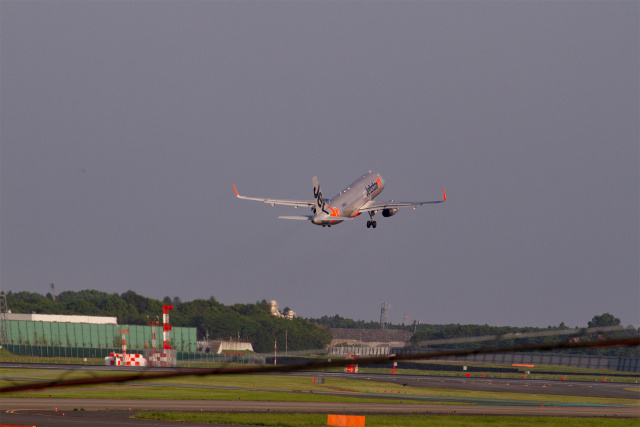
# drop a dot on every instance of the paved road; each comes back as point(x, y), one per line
point(20, 405)
point(87, 418)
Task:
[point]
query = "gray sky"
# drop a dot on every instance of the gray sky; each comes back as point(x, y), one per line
point(124, 124)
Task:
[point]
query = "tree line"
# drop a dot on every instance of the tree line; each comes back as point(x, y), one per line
point(256, 324)
point(245, 322)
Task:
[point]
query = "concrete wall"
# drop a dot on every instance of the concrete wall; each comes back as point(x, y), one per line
point(235, 346)
point(217, 347)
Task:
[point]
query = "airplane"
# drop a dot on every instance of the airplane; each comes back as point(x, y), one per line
point(357, 198)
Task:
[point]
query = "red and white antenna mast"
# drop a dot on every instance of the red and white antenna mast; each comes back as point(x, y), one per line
point(166, 327)
point(124, 333)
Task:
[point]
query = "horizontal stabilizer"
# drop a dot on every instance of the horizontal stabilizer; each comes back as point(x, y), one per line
point(299, 218)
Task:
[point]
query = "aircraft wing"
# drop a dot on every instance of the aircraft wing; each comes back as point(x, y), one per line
point(376, 205)
point(310, 217)
point(295, 203)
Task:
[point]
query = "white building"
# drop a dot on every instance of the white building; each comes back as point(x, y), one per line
point(62, 318)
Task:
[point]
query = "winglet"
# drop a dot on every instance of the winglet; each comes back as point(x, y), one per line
point(234, 189)
point(444, 195)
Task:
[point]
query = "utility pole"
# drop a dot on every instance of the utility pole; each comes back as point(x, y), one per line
point(4, 309)
point(153, 324)
point(53, 291)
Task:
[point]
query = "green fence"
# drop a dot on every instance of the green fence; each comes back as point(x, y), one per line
point(94, 336)
point(52, 351)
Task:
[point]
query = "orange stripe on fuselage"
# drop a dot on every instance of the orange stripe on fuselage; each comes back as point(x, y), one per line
point(334, 211)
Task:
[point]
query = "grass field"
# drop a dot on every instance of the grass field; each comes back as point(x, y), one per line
point(271, 387)
point(291, 420)
point(569, 373)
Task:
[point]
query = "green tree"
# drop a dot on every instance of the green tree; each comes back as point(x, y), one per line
point(605, 319)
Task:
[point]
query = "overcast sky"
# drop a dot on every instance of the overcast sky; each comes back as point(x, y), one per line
point(124, 124)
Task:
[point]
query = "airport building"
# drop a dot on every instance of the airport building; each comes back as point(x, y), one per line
point(366, 342)
point(219, 346)
point(85, 336)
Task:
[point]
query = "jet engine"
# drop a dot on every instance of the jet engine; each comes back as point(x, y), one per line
point(389, 212)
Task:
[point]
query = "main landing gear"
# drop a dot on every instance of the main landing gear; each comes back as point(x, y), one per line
point(371, 223)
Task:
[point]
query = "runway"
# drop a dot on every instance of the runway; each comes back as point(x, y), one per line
point(95, 418)
point(610, 390)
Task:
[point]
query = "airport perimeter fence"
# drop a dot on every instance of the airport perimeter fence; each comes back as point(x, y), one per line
point(199, 358)
point(613, 363)
point(61, 352)
point(100, 353)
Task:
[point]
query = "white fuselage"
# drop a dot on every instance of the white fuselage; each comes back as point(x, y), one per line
point(349, 201)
